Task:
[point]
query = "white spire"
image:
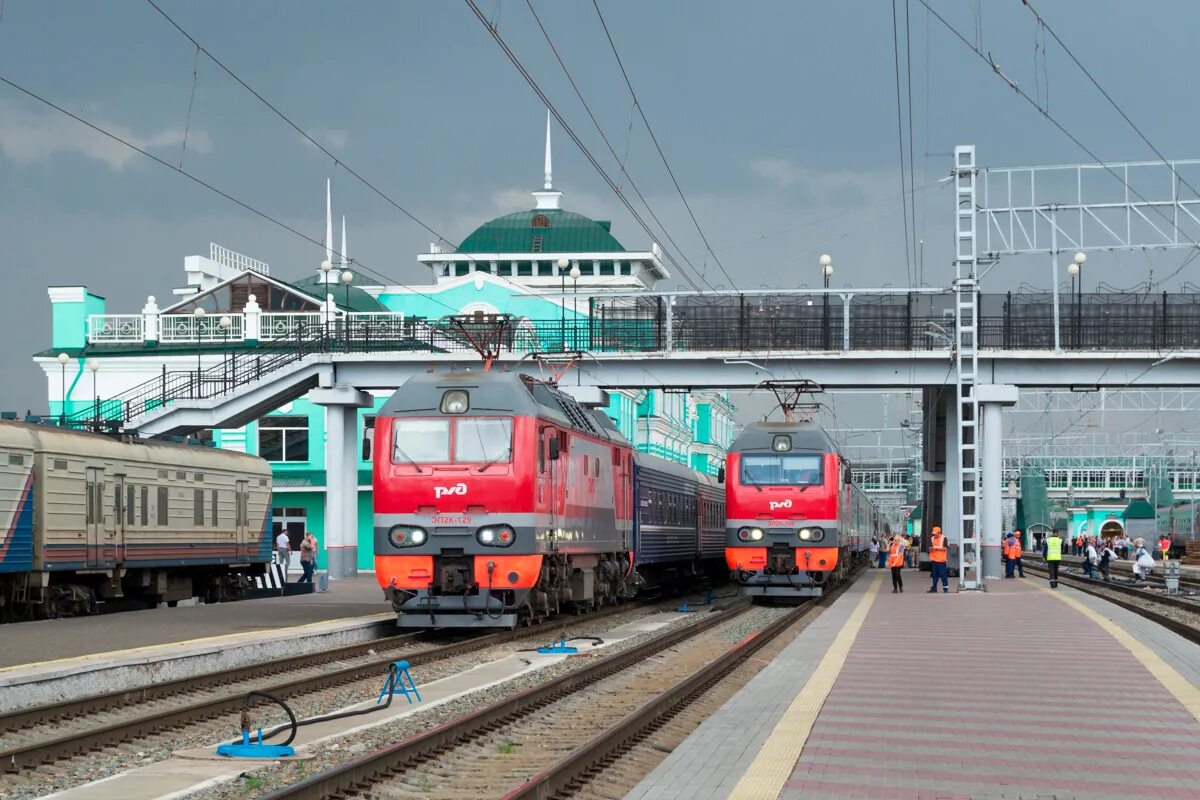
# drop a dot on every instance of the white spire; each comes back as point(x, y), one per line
point(548, 197)
point(328, 221)
point(345, 256)
point(549, 169)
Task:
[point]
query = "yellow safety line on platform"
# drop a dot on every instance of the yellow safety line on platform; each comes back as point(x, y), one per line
point(1179, 686)
point(764, 778)
point(220, 638)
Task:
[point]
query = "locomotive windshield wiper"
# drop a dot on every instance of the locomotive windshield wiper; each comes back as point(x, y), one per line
point(397, 451)
point(495, 460)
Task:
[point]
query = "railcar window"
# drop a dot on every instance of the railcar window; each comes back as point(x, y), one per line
point(283, 438)
point(215, 517)
point(130, 498)
point(197, 506)
point(791, 470)
point(145, 506)
point(420, 440)
point(164, 517)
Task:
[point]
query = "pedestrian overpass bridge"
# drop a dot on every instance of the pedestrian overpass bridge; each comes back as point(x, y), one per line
point(874, 338)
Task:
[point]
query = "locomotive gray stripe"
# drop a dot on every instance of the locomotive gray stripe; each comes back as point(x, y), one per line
point(827, 524)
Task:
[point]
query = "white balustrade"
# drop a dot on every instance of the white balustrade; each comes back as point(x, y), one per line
point(109, 328)
point(190, 328)
point(281, 326)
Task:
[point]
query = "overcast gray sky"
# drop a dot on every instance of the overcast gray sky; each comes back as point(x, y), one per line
point(779, 119)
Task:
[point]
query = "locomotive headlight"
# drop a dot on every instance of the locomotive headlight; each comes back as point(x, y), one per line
point(756, 534)
point(817, 534)
point(750, 534)
point(805, 534)
point(455, 401)
point(496, 536)
point(407, 536)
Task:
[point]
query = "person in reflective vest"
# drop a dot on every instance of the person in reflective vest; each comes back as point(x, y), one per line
point(1014, 555)
point(895, 561)
point(938, 552)
point(1052, 551)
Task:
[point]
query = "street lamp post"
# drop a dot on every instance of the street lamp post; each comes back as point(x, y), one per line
point(94, 365)
point(575, 273)
point(1075, 270)
point(347, 279)
point(326, 268)
point(826, 263)
point(198, 316)
point(225, 323)
point(63, 358)
point(563, 263)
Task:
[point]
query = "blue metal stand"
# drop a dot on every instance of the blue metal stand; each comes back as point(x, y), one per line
point(559, 648)
point(249, 749)
point(399, 682)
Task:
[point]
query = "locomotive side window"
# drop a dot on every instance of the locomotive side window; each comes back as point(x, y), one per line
point(145, 506)
point(164, 518)
point(789, 470)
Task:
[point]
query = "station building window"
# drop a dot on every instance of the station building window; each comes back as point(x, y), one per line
point(461, 269)
point(606, 268)
point(524, 269)
point(540, 221)
point(283, 438)
point(545, 270)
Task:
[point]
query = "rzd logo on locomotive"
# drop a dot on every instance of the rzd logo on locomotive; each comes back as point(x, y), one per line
point(442, 491)
point(778, 504)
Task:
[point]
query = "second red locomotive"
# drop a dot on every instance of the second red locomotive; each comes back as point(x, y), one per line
point(795, 521)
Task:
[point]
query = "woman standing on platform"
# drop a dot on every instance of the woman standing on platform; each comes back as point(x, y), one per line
point(874, 552)
point(895, 560)
point(308, 557)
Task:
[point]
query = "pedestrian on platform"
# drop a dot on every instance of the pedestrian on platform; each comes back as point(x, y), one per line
point(283, 550)
point(937, 561)
point(1014, 554)
point(1107, 554)
point(1091, 558)
point(911, 552)
point(883, 552)
point(1164, 546)
point(1143, 562)
point(874, 552)
point(1052, 547)
point(308, 557)
point(895, 560)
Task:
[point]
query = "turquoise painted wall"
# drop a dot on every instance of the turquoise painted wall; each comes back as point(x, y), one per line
point(68, 321)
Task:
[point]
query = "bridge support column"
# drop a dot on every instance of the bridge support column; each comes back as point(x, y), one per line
point(992, 398)
point(341, 476)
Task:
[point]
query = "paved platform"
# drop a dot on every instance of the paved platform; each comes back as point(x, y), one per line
point(53, 660)
point(1019, 692)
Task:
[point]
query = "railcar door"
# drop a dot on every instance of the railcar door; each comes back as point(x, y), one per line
point(545, 478)
point(95, 515)
point(241, 520)
point(116, 540)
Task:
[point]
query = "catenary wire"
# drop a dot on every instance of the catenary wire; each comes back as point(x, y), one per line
point(591, 159)
point(1041, 109)
point(262, 214)
point(641, 112)
point(620, 162)
point(912, 169)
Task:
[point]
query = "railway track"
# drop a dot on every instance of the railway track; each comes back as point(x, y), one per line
point(36, 736)
point(1109, 591)
point(502, 749)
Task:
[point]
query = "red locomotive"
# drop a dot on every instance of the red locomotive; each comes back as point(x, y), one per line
point(499, 499)
point(794, 520)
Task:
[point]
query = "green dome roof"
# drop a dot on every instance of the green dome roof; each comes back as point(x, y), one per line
point(560, 232)
point(359, 300)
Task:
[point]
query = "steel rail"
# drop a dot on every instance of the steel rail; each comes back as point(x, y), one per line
point(1189, 632)
point(29, 755)
point(580, 765)
point(1182, 603)
point(386, 761)
point(14, 721)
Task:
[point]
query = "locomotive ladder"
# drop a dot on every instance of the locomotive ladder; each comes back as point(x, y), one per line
point(966, 365)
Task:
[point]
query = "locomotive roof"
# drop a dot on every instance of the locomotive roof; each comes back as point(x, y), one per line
point(501, 393)
point(805, 436)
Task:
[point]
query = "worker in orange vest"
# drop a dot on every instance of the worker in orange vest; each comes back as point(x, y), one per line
point(1012, 552)
point(895, 561)
point(938, 552)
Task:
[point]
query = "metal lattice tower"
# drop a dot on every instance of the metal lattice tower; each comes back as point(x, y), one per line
point(966, 366)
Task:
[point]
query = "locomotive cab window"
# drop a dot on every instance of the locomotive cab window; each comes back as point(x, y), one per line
point(782, 470)
point(462, 440)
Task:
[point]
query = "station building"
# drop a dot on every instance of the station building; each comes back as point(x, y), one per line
point(543, 266)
